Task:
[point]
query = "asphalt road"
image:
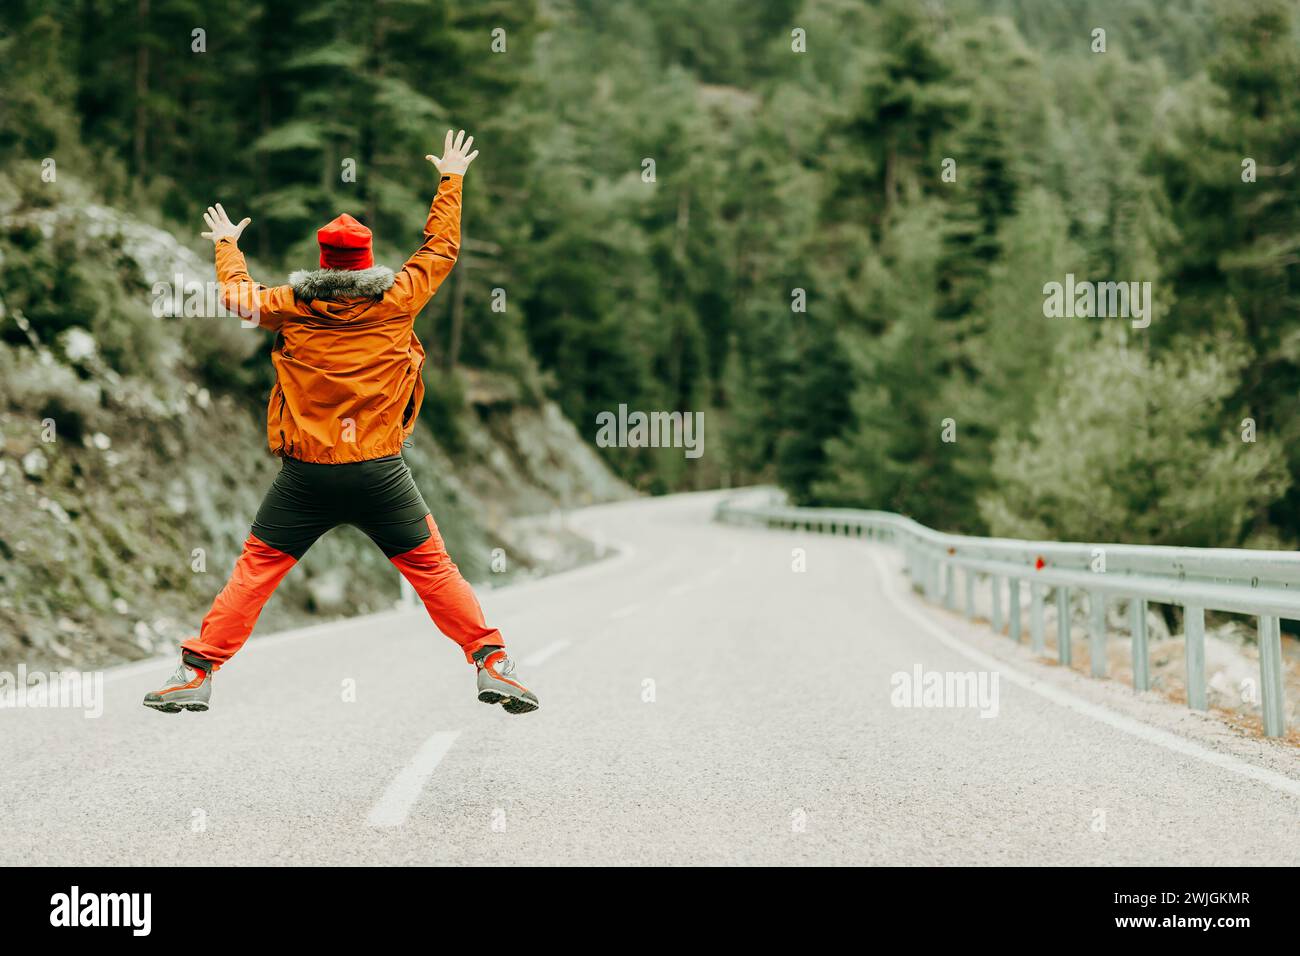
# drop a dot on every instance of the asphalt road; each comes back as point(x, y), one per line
point(702, 702)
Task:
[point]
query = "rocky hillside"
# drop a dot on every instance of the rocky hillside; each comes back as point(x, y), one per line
point(133, 456)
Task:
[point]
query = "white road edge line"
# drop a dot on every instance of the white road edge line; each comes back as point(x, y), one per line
point(546, 653)
point(1057, 695)
point(625, 611)
point(392, 809)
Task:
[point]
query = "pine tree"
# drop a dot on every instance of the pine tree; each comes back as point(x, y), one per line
point(1132, 448)
point(893, 456)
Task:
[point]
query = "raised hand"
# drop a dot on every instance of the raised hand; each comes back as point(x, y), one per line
point(220, 225)
point(456, 156)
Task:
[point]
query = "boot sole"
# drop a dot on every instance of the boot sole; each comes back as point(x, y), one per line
point(168, 707)
point(511, 705)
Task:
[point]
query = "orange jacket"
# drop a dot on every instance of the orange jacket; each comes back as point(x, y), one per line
point(346, 357)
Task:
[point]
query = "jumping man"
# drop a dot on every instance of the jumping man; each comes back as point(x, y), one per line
point(347, 393)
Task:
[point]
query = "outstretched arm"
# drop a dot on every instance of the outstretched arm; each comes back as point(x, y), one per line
point(425, 270)
point(255, 303)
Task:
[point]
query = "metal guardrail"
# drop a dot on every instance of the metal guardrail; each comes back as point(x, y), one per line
point(1265, 584)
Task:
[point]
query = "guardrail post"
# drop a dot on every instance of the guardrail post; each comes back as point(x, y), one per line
point(970, 593)
point(1063, 625)
point(1097, 633)
point(1137, 610)
point(997, 603)
point(949, 586)
point(1036, 617)
point(1194, 635)
point(1271, 701)
point(1013, 605)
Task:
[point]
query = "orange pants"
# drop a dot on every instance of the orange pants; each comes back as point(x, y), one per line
point(446, 594)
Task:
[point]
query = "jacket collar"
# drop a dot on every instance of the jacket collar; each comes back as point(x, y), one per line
point(369, 283)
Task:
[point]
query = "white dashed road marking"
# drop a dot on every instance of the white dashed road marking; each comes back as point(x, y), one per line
point(545, 654)
point(392, 809)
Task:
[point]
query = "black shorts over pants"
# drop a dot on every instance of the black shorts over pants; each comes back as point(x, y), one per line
point(378, 496)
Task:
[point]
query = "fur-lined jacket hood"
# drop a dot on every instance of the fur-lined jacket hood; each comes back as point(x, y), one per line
point(334, 284)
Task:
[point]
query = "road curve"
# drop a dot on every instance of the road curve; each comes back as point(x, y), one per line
point(702, 702)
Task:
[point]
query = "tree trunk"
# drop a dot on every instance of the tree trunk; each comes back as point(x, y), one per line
point(370, 135)
point(141, 138)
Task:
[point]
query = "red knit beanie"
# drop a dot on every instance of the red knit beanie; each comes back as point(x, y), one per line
point(345, 244)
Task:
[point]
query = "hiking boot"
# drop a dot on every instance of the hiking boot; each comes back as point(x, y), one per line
point(189, 688)
point(499, 684)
